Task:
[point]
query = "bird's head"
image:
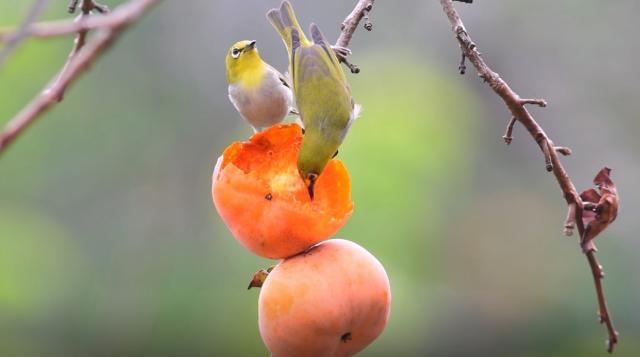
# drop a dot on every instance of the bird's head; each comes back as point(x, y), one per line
point(315, 153)
point(242, 57)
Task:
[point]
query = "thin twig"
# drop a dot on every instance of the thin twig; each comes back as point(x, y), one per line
point(78, 43)
point(350, 23)
point(508, 134)
point(603, 310)
point(57, 28)
point(87, 5)
point(87, 8)
point(23, 31)
point(349, 26)
point(90, 5)
point(547, 149)
point(570, 221)
point(539, 102)
point(517, 107)
point(462, 67)
point(119, 19)
point(563, 150)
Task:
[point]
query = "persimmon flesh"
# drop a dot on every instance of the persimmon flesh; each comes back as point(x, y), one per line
point(330, 301)
point(261, 197)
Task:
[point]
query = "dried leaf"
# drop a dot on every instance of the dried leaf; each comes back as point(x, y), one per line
point(600, 208)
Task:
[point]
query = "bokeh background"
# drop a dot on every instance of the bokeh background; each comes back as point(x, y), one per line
point(110, 245)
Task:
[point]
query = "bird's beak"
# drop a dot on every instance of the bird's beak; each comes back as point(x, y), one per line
point(311, 182)
point(251, 45)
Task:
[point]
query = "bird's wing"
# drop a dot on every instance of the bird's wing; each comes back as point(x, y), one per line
point(284, 78)
point(319, 85)
point(319, 39)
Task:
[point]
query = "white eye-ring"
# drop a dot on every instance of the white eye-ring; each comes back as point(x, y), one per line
point(235, 53)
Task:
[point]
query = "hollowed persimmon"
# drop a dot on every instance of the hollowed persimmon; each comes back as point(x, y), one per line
point(261, 197)
point(330, 301)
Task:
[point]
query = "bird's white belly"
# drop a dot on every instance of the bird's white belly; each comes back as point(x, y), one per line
point(263, 106)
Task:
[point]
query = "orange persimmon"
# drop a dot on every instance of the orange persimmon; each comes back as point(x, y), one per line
point(330, 301)
point(261, 197)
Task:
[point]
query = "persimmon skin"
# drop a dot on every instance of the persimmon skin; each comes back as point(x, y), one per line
point(331, 301)
point(262, 199)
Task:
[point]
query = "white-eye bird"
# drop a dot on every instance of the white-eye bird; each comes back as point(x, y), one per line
point(321, 91)
point(259, 92)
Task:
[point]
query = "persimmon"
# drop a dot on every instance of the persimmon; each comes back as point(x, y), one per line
point(261, 197)
point(332, 300)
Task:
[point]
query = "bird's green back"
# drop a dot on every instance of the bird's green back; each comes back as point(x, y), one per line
point(323, 99)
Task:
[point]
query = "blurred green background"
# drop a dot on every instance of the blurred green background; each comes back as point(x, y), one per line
point(110, 245)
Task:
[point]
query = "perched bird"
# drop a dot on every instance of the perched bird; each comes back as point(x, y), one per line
point(323, 97)
point(259, 92)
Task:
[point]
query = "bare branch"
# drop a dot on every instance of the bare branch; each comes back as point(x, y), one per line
point(539, 102)
point(124, 13)
point(78, 43)
point(508, 135)
point(349, 26)
point(603, 310)
point(14, 40)
point(462, 67)
point(87, 7)
point(118, 21)
point(90, 5)
point(563, 150)
point(517, 108)
point(350, 23)
point(547, 149)
point(570, 221)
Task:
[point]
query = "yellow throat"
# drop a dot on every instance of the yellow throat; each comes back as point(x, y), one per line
point(244, 65)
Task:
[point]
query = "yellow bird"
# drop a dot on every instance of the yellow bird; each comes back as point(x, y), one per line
point(323, 96)
point(258, 91)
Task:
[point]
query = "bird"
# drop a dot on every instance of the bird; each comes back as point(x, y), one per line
point(260, 93)
point(322, 95)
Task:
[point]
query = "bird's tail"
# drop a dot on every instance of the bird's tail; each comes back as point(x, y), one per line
point(284, 21)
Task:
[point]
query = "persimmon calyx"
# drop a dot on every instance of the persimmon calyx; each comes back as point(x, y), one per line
point(259, 277)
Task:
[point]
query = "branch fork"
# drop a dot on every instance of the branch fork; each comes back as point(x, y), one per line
point(84, 53)
point(348, 27)
point(577, 210)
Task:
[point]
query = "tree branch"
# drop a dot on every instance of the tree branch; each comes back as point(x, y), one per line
point(88, 6)
point(14, 40)
point(124, 13)
point(113, 24)
point(348, 27)
point(516, 106)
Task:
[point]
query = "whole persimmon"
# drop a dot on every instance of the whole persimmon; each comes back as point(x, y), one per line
point(261, 197)
point(332, 300)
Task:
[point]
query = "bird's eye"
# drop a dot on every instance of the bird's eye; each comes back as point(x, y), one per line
point(235, 53)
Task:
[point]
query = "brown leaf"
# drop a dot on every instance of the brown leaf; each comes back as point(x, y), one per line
point(590, 195)
point(600, 208)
